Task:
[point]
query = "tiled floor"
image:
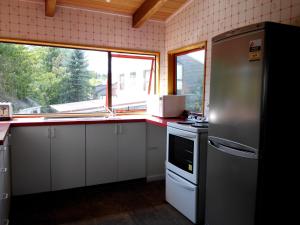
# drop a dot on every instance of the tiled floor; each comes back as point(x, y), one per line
point(127, 203)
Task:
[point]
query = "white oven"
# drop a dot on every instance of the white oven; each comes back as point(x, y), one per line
point(183, 153)
point(186, 169)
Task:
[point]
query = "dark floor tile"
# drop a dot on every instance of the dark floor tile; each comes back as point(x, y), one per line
point(119, 219)
point(126, 203)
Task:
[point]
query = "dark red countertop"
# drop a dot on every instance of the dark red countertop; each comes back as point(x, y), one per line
point(41, 121)
point(4, 128)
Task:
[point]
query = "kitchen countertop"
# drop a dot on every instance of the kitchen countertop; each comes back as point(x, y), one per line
point(41, 121)
point(4, 127)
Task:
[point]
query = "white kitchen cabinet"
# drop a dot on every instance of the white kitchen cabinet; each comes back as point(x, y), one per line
point(156, 152)
point(46, 158)
point(131, 151)
point(30, 157)
point(101, 153)
point(67, 156)
point(115, 152)
point(5, 192)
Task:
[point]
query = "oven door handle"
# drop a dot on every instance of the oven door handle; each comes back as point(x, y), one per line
point(179, 183)
point(184, 136)
point(188, 137)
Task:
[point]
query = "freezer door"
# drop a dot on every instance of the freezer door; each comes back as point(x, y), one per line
point(230, 188)
point(235, 89)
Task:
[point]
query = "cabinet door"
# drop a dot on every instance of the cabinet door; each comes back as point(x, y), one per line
point(2, 189)
point(101, 153)
point(156, 152)
point(67, 156)
point(131, 151)
point(30, 158)
point(6, 174)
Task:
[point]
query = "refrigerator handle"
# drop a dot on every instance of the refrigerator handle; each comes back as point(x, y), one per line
point(232, 151)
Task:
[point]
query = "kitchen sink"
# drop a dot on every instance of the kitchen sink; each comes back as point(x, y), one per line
point(81, 118)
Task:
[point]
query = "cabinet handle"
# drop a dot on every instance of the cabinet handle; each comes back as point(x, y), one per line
point(3, 148)
point(6, 222)
point(3, 170)
point(4, 196)
point(53, 132)
point(120, 129)
point(116, 129)
point(49, 132)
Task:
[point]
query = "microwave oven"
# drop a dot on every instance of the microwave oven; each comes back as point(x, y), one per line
point(166, 105)
point(6, 111)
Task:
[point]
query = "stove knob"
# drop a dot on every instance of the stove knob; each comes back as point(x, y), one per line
point(199, 118)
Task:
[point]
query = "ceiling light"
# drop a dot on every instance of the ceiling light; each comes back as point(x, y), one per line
point(108, 1)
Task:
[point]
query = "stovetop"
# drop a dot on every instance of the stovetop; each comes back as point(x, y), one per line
point(193, 123)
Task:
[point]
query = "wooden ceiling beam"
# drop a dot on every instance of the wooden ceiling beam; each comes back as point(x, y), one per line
point(145, 11)
point(50, 7)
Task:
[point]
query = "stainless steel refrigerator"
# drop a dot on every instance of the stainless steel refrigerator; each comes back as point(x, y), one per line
point(253, 75)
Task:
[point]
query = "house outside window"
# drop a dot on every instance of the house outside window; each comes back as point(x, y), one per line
point(186, 75)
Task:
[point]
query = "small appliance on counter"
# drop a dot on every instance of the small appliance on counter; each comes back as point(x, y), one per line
point(166, 105)
point(5, 111)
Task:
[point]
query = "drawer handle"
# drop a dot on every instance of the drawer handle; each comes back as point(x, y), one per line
point(179, 183)
point(4, 196)
point(3, 170)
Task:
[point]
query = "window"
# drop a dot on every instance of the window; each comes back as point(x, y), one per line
point(43, 79)
point(188, 75)
point(132, 79)
point(146, 75)
point(122, 81)
point(179, 72)
point(133, 95)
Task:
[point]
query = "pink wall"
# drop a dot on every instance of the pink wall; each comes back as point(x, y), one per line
point(200, 20)
point(25, 19)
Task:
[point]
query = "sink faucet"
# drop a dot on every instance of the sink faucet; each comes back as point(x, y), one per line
point(111, 111)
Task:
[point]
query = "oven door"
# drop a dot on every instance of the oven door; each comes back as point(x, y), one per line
point(182, 153)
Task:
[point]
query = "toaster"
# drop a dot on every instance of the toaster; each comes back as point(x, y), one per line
point(6, 111)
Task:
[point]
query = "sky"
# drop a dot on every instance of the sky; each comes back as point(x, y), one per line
point(198, 55)
point(97, 61)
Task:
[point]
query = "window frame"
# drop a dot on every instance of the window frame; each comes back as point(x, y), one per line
point(172, 64)
point(109, 50)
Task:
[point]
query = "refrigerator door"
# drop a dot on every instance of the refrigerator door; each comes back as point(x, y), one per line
point(230, 187)
point(236, 87)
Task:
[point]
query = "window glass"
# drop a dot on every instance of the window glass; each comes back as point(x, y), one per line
point(146, 76)
point(39, 79)
point(136, 72)
point(190, 78)
point(42, 79)
point(122, 81)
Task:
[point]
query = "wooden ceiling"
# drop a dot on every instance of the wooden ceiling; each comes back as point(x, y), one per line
point(141, 10)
